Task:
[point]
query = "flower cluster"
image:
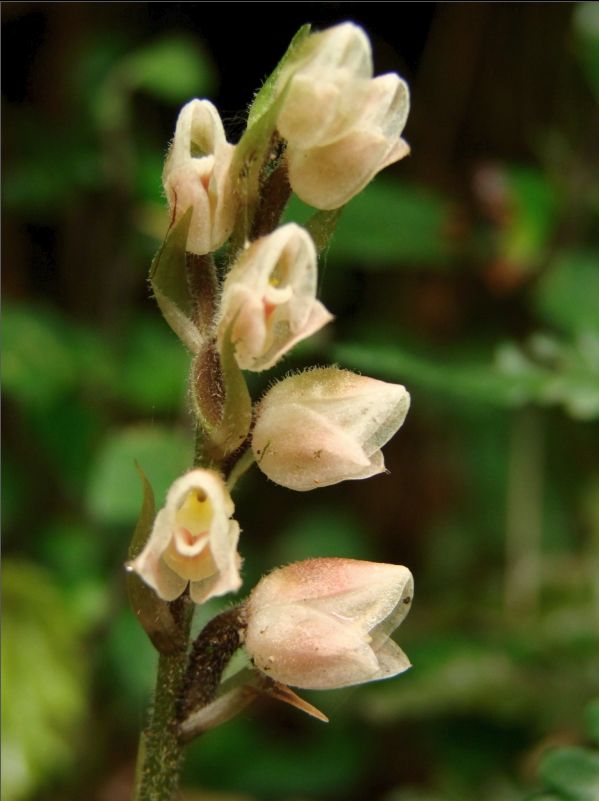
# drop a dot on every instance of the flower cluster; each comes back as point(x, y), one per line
point(326, 127)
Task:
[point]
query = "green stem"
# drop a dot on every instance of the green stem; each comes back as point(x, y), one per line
point(161, 753)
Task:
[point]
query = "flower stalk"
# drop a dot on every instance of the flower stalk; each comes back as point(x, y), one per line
point(321, 127)
point(160, 754)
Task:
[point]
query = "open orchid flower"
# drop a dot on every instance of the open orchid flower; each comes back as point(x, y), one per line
point(193, 541)
point(196, 174)
point(325, 623)
point(342, 126)
point(326, 425)
point(269, 298)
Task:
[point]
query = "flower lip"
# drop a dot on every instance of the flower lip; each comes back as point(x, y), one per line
point(269, 298)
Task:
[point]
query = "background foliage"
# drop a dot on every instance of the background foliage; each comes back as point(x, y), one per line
point(469, 272)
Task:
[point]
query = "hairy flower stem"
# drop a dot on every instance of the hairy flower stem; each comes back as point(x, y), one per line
point(210, 655)
point(160, 753)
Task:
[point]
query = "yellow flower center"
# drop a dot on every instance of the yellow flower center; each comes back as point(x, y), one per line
point(194, 520)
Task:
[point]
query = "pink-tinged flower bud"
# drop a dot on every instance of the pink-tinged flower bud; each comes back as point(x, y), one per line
point(326, 425)
point(193, 541)
point(325, 623)
point(269, 298)
point(196, 174)
point(342, 127)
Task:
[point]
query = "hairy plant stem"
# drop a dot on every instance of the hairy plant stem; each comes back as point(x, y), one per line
point(160, 754)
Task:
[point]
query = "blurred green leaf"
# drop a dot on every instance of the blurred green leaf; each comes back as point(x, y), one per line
point(560, 372)
point(586, 28)
point(389, 224)
point(42, 180)
point(549, 373)
point(568, 293)
point(267, 762)
point(43, 681)
point(78, 556)
point(574, 772)
point(447, 676)
point(393, 224)
point(128, 663)
point(592, 720)
point(472, 382)
point(47, 356)
point(175, 69)
point(14, 490)
point(532, 216)
point(67, 432)
point(39, 364)
point(324, 531)
point(154, 368)
point(113, 491)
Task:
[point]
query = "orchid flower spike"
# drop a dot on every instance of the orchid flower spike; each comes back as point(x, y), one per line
point(325, 623)
point(326, 425)
point(196, 174)
point(269, 298)
point(193, 541)
point(342, 126)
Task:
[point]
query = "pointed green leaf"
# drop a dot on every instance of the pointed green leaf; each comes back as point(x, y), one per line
point(251, 156)
point(237, 411)
point(255, 148)
point(146, 516)
point(225, 414)
point(265, 95)
point(174, 68)
point(168, 277)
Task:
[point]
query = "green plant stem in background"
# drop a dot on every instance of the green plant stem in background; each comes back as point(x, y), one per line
point(524, 515)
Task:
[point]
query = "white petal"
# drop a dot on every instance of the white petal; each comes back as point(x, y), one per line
point(392, 661)
point(150, 566)
point(199, 132)
point(318, 317)
point(387, 106)
point(328, 177)
point(301, 647)
point(227, 578)
point(364, 593)
point(300, 449)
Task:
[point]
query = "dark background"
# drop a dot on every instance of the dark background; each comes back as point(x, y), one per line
point(468, 272)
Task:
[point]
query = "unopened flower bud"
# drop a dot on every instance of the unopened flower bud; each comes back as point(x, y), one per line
point(326, 425)
point(269, 298)
point(325, 623)
point(193, 541)
point(196, 174)
point(342, 127)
